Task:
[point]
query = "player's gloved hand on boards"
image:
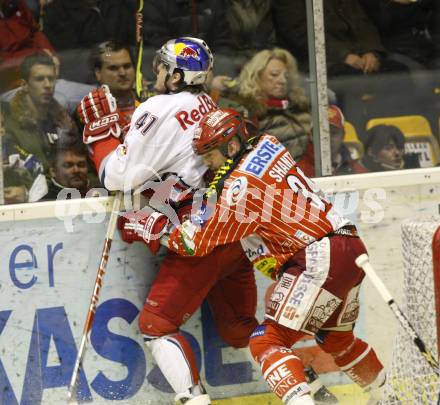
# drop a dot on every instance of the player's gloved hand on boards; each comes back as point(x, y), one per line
point(144, 227)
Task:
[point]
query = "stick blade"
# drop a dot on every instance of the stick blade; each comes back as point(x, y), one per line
point(71, 398)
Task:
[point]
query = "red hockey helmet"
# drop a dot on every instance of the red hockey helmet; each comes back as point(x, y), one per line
point(218, 127)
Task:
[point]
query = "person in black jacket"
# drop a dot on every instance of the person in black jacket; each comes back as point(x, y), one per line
point(353, 44)
point(409, 30)
point(69, 172)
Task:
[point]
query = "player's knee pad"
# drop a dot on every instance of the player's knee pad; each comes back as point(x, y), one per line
point(152, 324)
point(237, 334)
point(334, 342)
point(271, 334)
point(353, 356)
point(261, 341)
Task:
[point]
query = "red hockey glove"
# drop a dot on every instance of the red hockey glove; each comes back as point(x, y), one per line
point(104, 127)
point(104, 124)
point(144, 227)
point(96, 104)
point(103, 136)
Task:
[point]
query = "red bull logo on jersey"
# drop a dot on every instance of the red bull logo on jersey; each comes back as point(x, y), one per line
point(182, 50)
point(187, 119)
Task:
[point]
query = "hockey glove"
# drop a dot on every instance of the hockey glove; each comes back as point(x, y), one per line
point(110, 125)
point(104, 124)
point(96, 104)
point(144, 227)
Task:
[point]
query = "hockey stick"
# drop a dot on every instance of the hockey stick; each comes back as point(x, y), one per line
point(363, 262)
point(140, 42)
point(96, 290)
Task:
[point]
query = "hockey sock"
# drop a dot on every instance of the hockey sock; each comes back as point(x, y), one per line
point(283, 371)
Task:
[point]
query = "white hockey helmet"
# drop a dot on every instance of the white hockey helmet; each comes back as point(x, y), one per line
point(191, 55)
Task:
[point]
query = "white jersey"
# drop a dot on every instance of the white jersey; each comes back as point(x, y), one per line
point(159, 142)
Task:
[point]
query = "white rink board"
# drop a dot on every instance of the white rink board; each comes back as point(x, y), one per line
point(46, 280)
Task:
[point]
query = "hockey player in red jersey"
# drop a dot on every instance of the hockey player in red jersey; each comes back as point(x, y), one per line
point(157, 144)
point(292, 234)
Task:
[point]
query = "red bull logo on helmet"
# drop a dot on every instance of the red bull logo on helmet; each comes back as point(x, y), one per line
point(185, 51)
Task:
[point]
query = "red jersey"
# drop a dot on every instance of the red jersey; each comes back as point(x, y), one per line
point(269, 204)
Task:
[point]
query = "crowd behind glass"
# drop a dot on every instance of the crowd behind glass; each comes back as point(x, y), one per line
point(383, 66)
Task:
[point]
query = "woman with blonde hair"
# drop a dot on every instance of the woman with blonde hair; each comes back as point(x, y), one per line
point(271, 81)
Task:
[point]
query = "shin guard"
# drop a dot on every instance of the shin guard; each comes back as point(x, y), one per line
point(176, 360)
point(353, 356)
point(284, 372)
point(281, 368)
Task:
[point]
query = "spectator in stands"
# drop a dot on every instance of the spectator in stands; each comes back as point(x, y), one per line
point(67, 93)
point(23, 180)
point(342, 162)
point(73, 27)
point(271, 88)
point(69, 171)
point(16, 183)
point(19, 37)
point(113, 66)
point(409, 30)
point(353, 44)
point(384, 147)
point(34, 120)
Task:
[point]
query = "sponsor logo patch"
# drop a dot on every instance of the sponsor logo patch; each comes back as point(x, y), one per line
point(259, 160)
point(187, 119)
point(185, 51)
point(236, 191)
point(259, 331)
point(267, 266)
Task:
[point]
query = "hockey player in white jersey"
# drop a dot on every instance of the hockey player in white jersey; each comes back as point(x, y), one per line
point(160, 133)
point(158, 142)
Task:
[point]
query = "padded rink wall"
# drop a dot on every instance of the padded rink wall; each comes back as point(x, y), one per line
point(49, 254)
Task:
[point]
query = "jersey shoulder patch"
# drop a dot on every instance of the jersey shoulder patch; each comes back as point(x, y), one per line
point(260, 159)
point(236, 190)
